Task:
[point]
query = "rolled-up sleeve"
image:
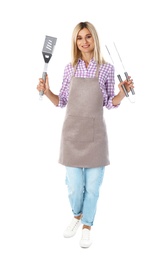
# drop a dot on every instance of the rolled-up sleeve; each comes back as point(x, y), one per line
point(107, 84)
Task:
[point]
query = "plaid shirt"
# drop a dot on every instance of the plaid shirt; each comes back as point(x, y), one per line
point(106, 81)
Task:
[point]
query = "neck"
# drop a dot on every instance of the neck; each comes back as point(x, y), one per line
point(86, 58)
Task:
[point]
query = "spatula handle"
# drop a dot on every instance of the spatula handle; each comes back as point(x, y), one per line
point(44, 78)
point(44, 75)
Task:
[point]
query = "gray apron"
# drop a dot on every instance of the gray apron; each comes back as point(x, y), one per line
point(84, 141)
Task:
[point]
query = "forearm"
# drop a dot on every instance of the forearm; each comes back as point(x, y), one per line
point(118, 98)
point(53, 98)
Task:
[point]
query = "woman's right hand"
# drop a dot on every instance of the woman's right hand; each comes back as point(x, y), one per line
point(43, 85)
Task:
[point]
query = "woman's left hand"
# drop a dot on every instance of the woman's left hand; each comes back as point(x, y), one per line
point(127, 83)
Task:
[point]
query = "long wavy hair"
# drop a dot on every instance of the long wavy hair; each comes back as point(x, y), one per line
point(76, 53)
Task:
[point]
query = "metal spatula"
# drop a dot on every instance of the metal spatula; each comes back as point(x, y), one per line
point(47, 52)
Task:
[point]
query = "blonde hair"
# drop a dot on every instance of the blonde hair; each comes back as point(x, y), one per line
point(76, 53)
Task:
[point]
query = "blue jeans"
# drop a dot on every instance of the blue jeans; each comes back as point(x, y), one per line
point(83, 191)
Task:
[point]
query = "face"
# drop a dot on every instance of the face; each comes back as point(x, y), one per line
point(85, 41)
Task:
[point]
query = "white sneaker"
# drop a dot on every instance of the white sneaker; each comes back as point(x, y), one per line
point(72, 228)
point(85, 239)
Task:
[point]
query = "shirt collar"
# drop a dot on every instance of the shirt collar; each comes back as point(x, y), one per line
point(91, 61)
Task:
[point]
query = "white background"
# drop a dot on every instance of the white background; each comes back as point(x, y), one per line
point(34, 208)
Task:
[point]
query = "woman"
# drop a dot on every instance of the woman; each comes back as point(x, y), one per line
point(88, 86)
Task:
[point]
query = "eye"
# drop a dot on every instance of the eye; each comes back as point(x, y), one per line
point(89, 36)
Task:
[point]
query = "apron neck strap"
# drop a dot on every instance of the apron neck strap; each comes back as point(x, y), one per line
point(97, 71)
point(75, 67)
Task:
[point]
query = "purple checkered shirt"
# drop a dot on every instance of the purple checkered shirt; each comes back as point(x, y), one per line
point(106, 81)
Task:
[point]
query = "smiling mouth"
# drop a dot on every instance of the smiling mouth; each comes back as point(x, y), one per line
point(85, 46)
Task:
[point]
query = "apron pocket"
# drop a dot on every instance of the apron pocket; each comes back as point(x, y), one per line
point(79, 129)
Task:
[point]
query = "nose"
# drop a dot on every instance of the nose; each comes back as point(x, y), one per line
point(84, 40)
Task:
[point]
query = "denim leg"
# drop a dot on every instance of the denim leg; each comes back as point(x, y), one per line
point(93, 181)
point(75, 184)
